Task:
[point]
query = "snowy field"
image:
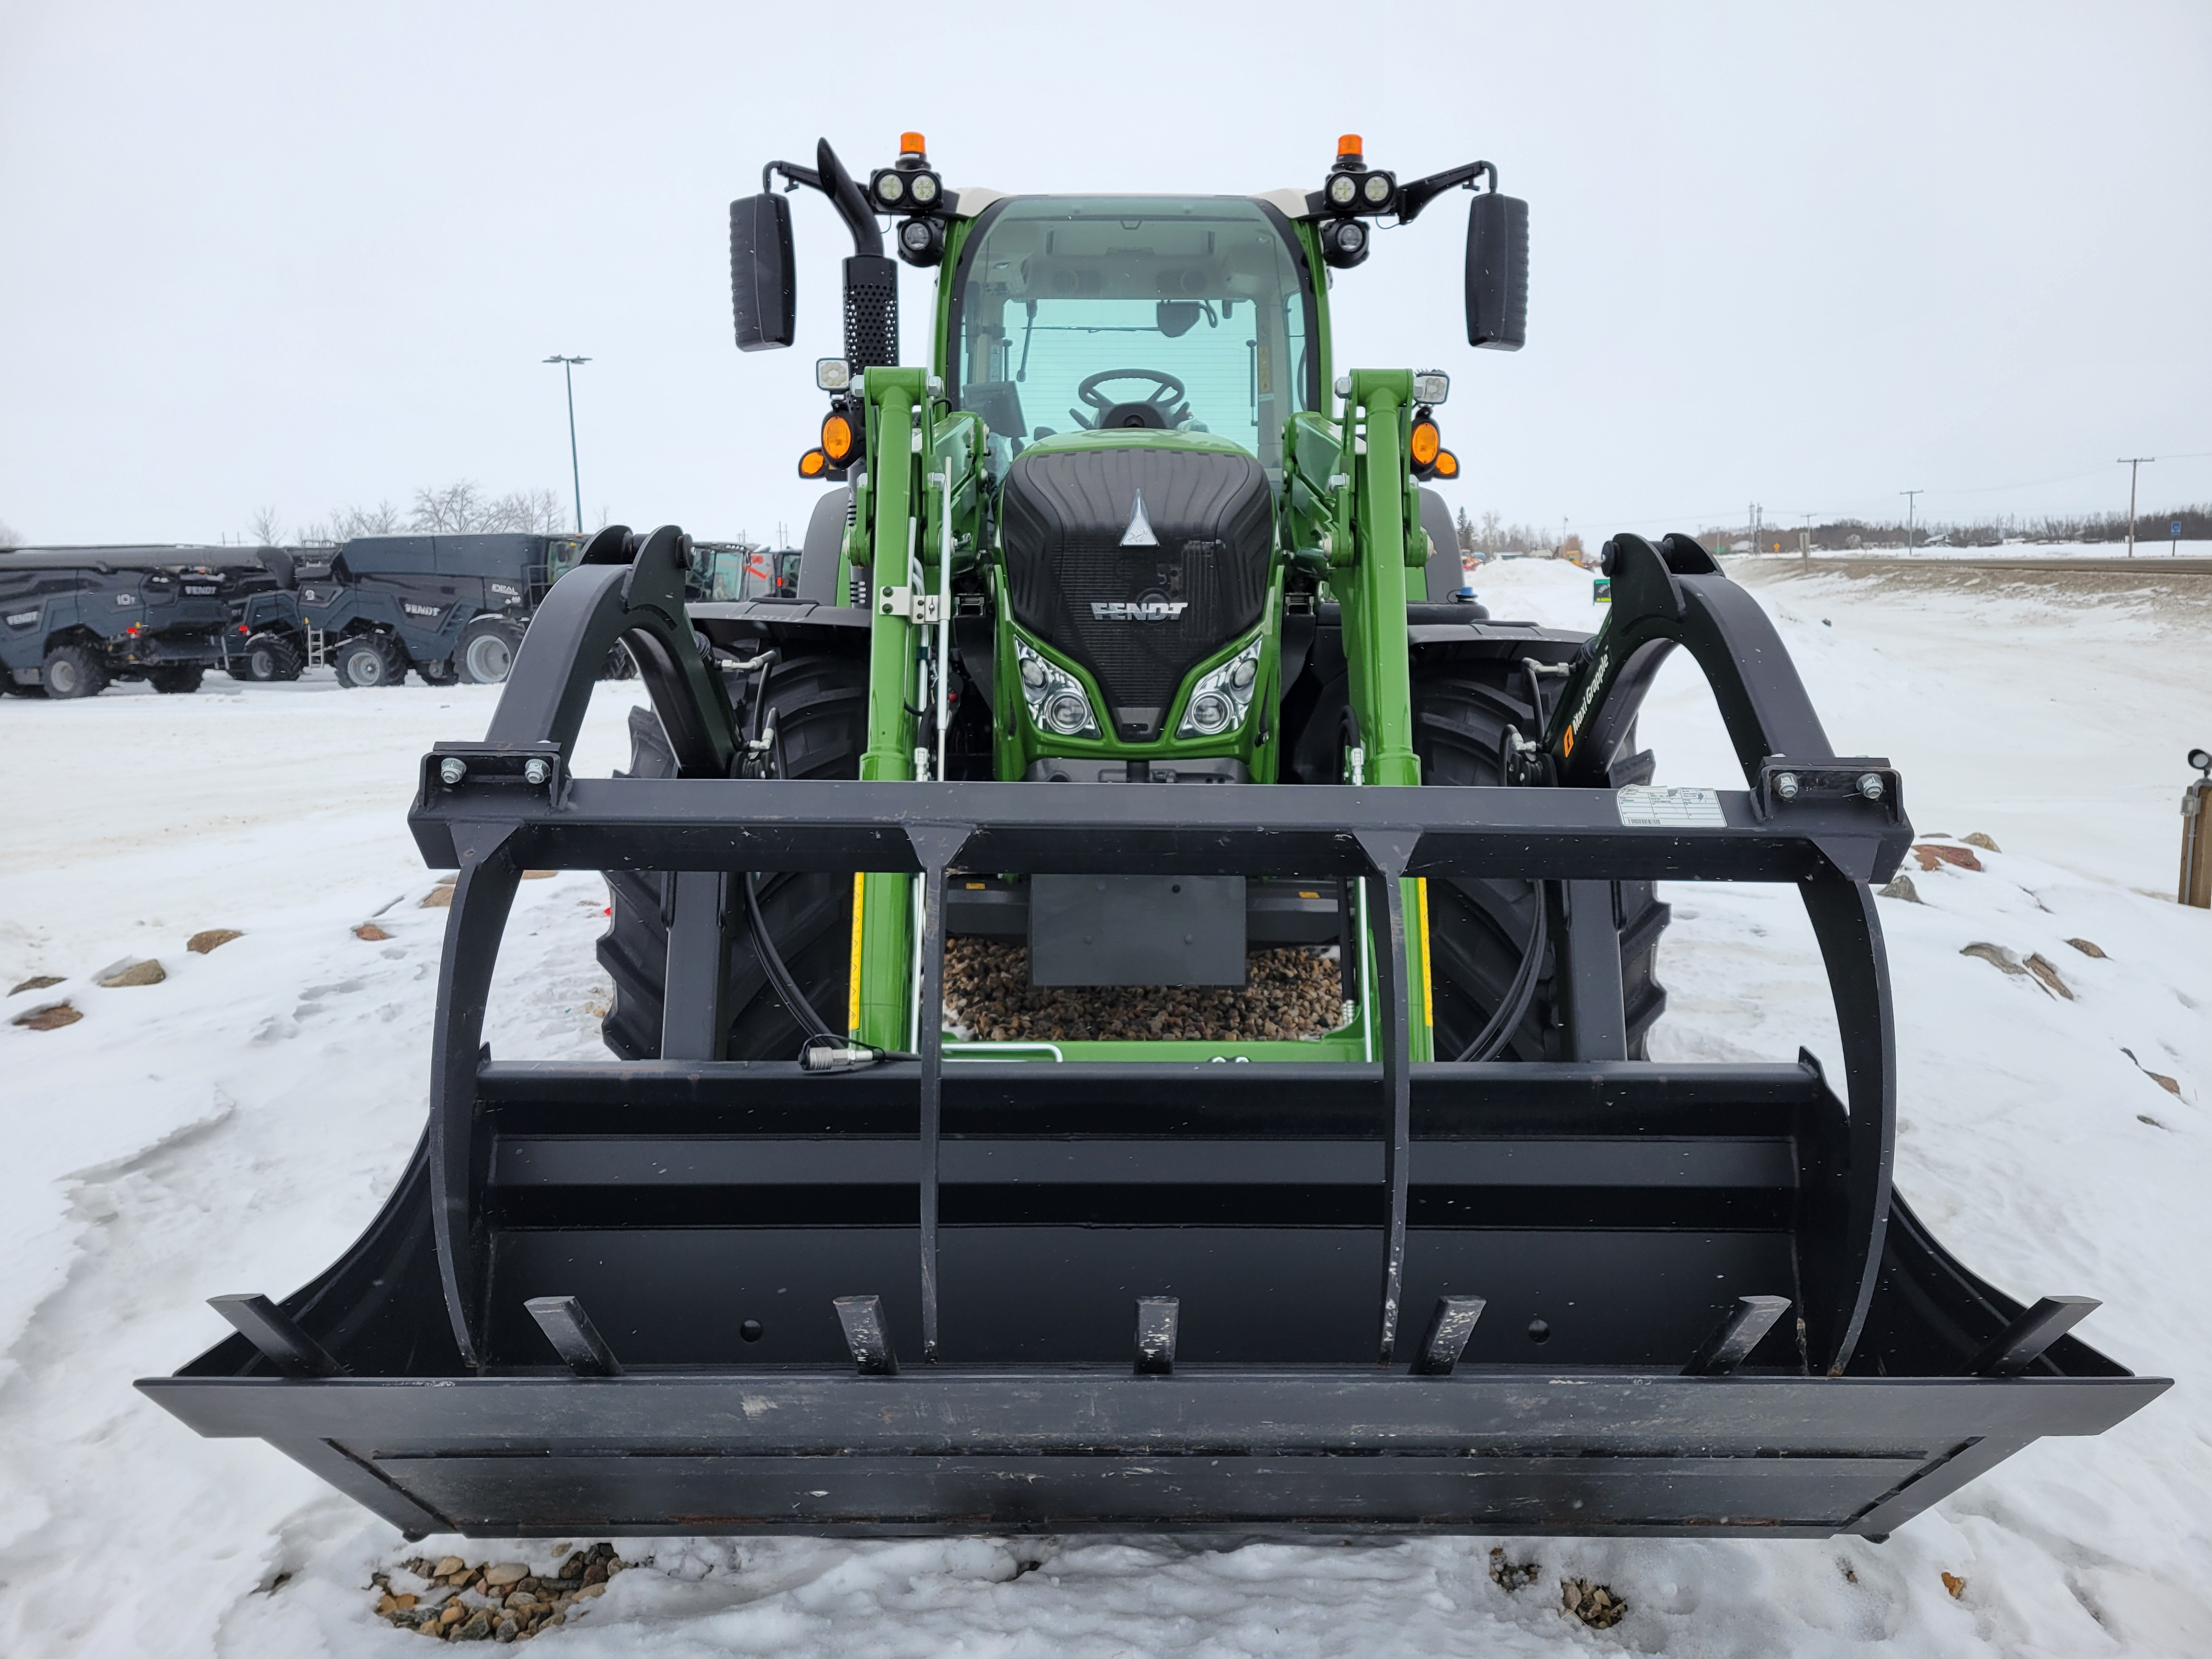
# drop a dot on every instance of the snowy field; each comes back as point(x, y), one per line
point(233, 1128)
point(2146, 547)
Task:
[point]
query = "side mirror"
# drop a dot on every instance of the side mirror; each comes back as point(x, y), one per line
point(1498, 272)
point(762, 296)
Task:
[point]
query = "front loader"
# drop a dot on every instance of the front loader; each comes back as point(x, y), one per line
point(1126, 639)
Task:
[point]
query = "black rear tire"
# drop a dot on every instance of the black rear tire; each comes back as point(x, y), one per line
point(178, 679)
point(73, 671)
point(816, 706)
point(1479, 929)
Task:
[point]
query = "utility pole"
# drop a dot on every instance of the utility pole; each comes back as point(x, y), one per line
point(1909, 504)
point(2134, 464)
point(575, 472)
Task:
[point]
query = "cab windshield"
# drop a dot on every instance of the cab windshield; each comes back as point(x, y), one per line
point(1175, 313)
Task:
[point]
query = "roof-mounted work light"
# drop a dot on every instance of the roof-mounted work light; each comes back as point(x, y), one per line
point(909, 185)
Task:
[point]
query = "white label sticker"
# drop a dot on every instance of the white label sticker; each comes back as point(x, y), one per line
point(1672, 809)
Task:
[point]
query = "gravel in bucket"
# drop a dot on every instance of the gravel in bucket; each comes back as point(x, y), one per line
point(1292, 993)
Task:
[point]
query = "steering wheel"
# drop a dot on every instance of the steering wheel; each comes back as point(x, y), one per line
point(1164, 408)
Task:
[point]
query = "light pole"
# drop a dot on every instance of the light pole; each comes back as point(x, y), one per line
point(2134, 464)
point(1910, 497)
point(575, 472)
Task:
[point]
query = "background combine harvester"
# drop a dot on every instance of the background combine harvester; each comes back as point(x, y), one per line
point(74, 620)
point(1469, 1262)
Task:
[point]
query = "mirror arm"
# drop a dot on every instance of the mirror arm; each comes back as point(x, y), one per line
point(1413, 198)
point(792, 172)
point(831, 178)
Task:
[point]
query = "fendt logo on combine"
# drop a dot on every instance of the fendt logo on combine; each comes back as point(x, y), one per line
point(1147, 610)
point(200, 590)
point(414, 609)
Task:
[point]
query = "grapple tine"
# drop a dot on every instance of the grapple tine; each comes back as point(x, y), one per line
point(1450, 1323)
point(867, 1335)
point(2021, 1344)
point(574, 1337)
point(276, 1335)
point(1736, 1335)
point(1157, 1317)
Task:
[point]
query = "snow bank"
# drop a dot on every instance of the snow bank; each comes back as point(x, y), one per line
point(233, 1128)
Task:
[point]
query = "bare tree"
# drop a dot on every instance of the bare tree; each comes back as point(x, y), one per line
point(454, 510)
point(9, 538)
point(345, 523)
point(263, 528)
point(532, 512)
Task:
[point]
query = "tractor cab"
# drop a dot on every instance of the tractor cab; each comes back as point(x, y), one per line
point(1158, 314)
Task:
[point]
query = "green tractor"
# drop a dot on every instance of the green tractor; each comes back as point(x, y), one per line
point(1129, 634)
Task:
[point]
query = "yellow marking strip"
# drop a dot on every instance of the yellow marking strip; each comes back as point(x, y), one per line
point(852, 999)
point(1428, 990)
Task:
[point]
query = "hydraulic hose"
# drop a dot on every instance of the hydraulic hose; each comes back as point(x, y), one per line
point(1513, 1007)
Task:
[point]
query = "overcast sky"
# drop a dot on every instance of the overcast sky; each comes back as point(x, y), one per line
point(299, 256)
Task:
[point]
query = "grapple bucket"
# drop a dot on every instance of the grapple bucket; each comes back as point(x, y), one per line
point(982, 1294)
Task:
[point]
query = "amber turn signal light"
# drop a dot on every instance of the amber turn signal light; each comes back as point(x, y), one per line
point(837, 438)
point(813, 465)
point(1427, 443)
point(1447, 464)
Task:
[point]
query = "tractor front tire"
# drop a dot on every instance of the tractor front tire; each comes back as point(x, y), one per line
point(1479, 928)
point(73, 671)
point(817, 708)
point(368, 659)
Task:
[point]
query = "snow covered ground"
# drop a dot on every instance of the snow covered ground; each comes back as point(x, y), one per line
point(2146, 547)
point(233, 1126)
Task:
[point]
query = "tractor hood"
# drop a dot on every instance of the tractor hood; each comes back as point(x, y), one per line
point(1138, 553)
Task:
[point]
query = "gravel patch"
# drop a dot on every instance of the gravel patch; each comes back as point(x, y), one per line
point(502, 1601)
point(1292, 993)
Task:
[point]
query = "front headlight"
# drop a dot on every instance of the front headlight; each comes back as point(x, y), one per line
point(1055, 695)
point(1222, 699)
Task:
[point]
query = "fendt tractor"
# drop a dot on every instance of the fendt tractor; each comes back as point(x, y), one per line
point(1123, 639)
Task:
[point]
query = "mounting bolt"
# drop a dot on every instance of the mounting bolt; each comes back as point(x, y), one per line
point(1871, 786)
point(452, 769)
point(535, 771)
point(1785, 785)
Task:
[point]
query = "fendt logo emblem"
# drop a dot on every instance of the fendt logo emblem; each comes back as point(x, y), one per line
point(414, 609)
point(1144, 611)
